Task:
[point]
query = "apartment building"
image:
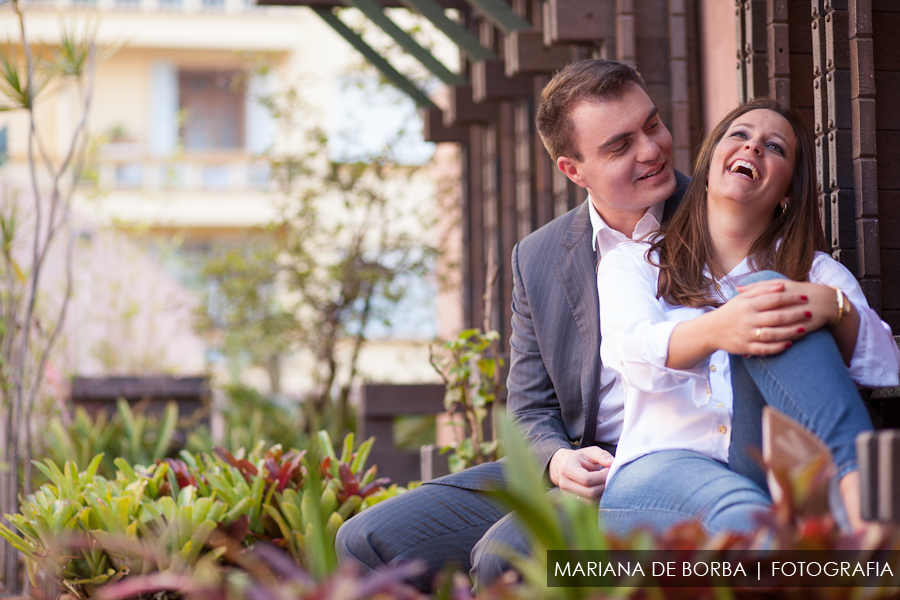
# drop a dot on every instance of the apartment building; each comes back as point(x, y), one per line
point(179, 133)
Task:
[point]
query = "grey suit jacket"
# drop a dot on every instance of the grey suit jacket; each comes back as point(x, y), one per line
point(554, 347)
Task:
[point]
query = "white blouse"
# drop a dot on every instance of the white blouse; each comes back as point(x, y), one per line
point(669, 409)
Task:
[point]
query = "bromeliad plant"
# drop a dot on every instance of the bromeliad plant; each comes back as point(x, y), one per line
point(84, 530)
point(128, 433)
point(470, 367)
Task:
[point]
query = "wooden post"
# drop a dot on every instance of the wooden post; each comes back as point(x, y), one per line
point(886, 59)
point(778, 50)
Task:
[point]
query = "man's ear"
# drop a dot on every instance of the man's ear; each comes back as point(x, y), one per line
point(570, 168)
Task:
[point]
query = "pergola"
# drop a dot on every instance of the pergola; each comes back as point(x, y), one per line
point(837, 61)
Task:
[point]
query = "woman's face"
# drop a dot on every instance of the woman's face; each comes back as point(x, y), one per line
point(753, 163)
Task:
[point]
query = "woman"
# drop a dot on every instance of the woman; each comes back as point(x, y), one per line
point(698, 352)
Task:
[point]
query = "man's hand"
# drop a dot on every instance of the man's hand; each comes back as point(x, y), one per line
point(581, 472)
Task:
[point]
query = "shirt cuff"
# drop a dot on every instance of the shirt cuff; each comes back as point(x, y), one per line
point(876, 356)
point(655, 351)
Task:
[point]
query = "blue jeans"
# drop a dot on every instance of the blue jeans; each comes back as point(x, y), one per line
point(809, 382)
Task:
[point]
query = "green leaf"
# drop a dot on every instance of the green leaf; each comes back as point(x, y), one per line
point(201, 509)
point(125, 468)
point(92, 467)
point(362, 456)
point(166, 431)
point(326, 445)
point(349, 506)
point(17, 542)
point(238, 510)
point(292, 514)
point(348, 448)
point(198, 540)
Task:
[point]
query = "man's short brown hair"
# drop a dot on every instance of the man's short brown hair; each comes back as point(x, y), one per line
point(593, 79)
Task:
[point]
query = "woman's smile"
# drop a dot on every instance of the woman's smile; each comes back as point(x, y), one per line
point(753, 163)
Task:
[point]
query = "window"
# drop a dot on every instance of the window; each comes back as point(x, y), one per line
point(128, 4)
point(212, 110)
point(129, 175)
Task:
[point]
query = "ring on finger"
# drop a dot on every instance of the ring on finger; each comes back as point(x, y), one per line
point(758, 331)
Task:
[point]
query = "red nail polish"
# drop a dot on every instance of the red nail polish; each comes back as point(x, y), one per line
point(804, 298)
point(787, 345)
point(808, 314)
point(801, 330)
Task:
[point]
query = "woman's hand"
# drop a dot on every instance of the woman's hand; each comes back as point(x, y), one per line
point(763, 319)
point(767, 316)
point(823, 304)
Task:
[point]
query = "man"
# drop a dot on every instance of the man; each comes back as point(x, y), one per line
point(603, 131)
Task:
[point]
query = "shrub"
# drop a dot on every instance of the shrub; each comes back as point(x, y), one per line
point(83, 529)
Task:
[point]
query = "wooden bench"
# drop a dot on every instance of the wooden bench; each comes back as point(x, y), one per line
point(96, 394)
point(879, 457)
point(379, 406)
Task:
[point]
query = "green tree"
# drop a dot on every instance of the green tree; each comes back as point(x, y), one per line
point(342, 254)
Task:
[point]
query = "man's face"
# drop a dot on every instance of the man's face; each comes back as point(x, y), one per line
point(626, 151)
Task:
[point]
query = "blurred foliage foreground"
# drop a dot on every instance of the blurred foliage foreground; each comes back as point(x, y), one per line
point(191, 514)
point(261, 525)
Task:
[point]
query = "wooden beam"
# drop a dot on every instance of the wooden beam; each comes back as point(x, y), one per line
point(434, 130)
point(755, 48)
point(463, 110)
point(626, 51)
point(489, 82)
point(459, 35)
point(136, 388)
point(392, 75)
point(389, 400)
point(778, 49)
point(678, 77)
point(454, 4)
point(500, 14)
point(526, 53)
point(579, 21)
point(373, 11)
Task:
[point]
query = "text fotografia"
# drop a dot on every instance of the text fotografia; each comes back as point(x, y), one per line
point(731, 568)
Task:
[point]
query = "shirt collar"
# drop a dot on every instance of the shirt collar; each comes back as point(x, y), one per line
point(607, 238)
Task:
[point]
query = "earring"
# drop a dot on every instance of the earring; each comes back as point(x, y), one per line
point(785, 207)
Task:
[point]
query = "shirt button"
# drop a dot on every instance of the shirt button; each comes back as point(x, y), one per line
point(712, 368)
point(722, 429)
point(707, 390)
point(718, 287)
point(720, 405)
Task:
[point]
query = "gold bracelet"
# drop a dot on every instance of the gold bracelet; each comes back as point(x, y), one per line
point(843, 306)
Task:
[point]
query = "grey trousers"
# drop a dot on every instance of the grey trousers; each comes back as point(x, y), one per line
point(449, 522)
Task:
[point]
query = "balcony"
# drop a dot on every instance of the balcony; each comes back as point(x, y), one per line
point(162, 6)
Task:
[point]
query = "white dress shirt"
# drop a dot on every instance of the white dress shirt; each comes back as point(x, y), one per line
point(667, 409)
point(605, 238)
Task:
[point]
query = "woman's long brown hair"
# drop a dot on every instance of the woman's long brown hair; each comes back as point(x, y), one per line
point(787, 245)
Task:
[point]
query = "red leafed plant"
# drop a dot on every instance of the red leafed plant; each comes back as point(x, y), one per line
point(281, 468)
point(345, 476)
point(284, 468)
point(347, 483)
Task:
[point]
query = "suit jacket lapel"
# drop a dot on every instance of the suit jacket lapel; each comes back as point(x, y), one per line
point(577, 274)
